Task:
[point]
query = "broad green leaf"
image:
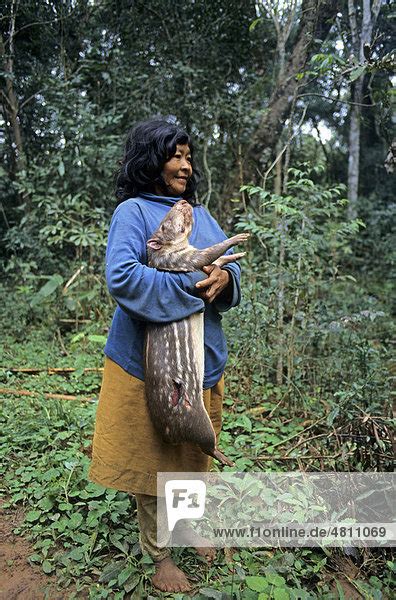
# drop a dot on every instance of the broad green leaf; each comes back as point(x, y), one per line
point(47, 567)
point(33, 515)
point(332, 415)
point(75, 520)
point(131, 583)
point(76, 554)
point(61, 169)
point(211, 593)
point(120, 544)
point(35, 557)
point(99, 339)
point(356, 73)
point(280, 593)
point(48, 288)
point(125, 574)
point(46, 504)
point(275, 579)
point(257, 583)
point(111, 571)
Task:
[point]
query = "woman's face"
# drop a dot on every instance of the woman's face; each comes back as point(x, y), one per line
point(177, 171)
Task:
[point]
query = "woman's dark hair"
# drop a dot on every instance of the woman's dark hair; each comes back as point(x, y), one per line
point(148, 146)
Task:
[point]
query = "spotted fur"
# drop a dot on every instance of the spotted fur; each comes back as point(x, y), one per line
point(174, 352)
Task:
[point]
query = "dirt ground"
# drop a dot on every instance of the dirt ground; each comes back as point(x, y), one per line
point(19, 580)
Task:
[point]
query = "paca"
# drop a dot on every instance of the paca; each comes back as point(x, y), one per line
point(174, 352)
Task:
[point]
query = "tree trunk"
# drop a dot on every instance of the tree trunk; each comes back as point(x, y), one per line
point(369, 17)
point(354, 151)
point(316, 19)
point(9, 97)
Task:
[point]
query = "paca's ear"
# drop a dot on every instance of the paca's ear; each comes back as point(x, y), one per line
point(154, 243)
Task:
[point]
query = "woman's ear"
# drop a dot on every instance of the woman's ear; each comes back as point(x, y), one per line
point(154, 244)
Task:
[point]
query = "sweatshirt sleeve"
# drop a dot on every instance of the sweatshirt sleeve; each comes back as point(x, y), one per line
point(143, 292)
point(234, 270)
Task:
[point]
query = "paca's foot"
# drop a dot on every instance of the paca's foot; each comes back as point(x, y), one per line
point(240, 237)
point(169, 578)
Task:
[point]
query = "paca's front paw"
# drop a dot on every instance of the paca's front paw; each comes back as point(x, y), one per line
point(240, 238)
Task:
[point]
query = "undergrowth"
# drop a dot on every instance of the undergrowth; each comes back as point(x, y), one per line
point(333, 414)
point(87, 535)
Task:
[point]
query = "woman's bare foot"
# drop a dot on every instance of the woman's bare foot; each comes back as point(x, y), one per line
point(169, 578)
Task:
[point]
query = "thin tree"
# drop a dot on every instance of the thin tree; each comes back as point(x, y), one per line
point(284, 16)
point(317, 17)
point(370, 11)
point(9, 98)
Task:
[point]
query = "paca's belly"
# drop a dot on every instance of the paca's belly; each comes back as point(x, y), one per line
point(174, 370)
point(174, 352)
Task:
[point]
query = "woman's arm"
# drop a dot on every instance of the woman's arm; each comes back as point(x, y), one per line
point(145, 293)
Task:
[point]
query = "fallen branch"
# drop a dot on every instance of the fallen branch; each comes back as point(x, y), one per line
point(299, 433)
point(305, 441)
point(73, 321)
point(46, 395)
point(301, 457)
point(50, 370)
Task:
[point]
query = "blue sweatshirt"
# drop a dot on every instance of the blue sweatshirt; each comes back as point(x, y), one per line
point(145, 294)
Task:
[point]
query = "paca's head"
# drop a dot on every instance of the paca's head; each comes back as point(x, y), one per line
point(174, 229)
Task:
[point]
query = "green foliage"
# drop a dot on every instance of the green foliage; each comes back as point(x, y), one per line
point(317, 288)
point(303, 237)
point(47, 290)
point(374, 251)
point(81, 530)
point(87, 536)
point(64, 212)
point(331, 335)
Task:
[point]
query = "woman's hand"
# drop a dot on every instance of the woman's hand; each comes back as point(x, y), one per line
point(217, 281)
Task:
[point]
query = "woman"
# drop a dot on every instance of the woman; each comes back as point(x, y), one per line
point(157, 170)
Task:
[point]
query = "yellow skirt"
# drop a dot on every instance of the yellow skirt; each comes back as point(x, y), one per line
point(127, 452)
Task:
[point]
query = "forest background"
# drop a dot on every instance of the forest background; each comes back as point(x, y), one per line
point(290, 106)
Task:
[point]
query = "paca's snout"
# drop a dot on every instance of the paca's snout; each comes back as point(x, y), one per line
point(183, 216)
point(184, 206)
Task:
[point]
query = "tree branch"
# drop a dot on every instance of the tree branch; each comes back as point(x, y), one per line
point(30, 98)
point(338, 101)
